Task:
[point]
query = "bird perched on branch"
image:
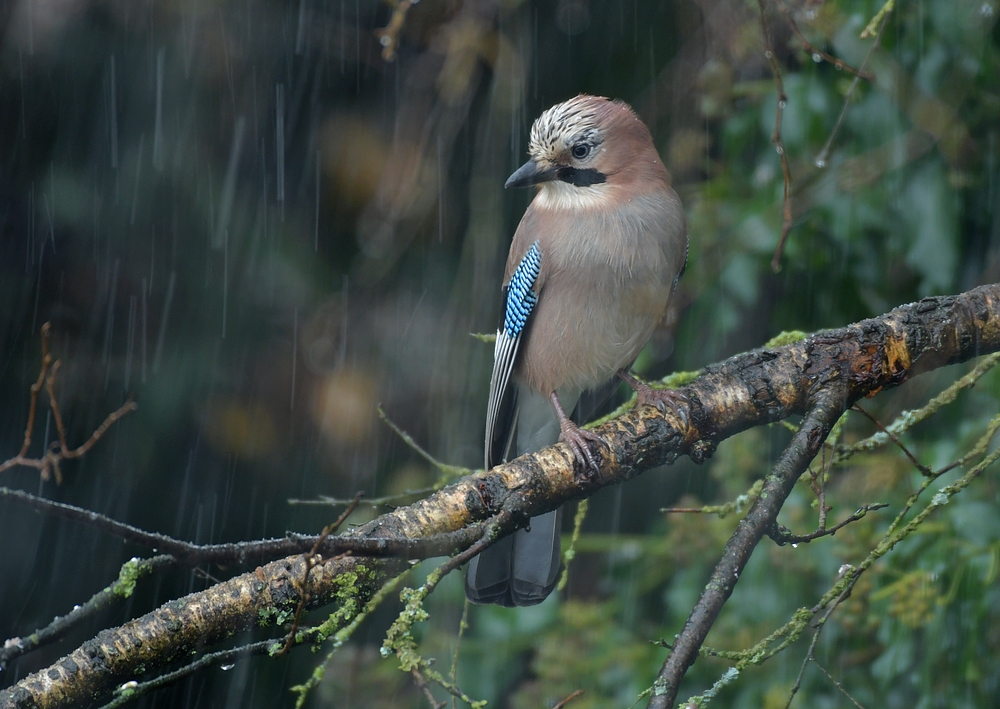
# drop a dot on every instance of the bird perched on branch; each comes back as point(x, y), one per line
point(589, 275)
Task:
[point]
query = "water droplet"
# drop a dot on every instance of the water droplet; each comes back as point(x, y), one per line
point(820, 163)
point(986, 10)
point(782, 103)
point(795, 546)
point(780, 150)
point(385, 40)
point(817, 57)
point(768, 54)
point(226, 668)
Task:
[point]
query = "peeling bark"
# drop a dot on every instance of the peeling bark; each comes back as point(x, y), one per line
point(820, 376)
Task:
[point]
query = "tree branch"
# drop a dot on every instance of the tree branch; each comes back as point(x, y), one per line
point(793, 462)
point(820, 376)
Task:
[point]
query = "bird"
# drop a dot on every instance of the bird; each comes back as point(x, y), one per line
point(590, 273)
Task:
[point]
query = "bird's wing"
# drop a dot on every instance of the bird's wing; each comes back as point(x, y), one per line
point(520, 297)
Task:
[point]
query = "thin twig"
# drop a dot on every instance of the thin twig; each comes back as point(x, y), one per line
point(815, 51)
point(60, 625)
point(388, 36)
point(48, 463)
point(418, 677)
point(450, 471)
point(35, 388)
point(311, 558)
point(837, 684)
point(568, 699)
point(779, 112)
point(824, 154)
point(781, 535)
point(242, 553)
point(802, 669)
point(908, 419)
point(924, 470)
point(386, 501)
point(463, 625)
point(131, 691)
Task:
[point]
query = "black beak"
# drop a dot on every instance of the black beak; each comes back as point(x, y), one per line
point(530, 174)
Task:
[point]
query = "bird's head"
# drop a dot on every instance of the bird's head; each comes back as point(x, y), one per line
point(582, 147)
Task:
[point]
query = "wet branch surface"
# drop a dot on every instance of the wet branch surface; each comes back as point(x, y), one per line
point(819, 377)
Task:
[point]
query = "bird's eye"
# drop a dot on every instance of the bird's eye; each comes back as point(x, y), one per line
point(581, 150)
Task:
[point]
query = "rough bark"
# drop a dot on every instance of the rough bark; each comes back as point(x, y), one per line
point(820, 376)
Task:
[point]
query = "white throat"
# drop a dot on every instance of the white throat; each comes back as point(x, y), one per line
point(561, 195)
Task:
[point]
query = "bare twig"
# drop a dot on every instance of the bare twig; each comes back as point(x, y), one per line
point(418, 677)
point(130, 691)
point(802, 669)
point(256, 551)
point(386, 501)
point(568, 699)
point(924, 470)
point(779, 112)
point(824, 154)
point(60, 625)
point(35, 388)
point(837, 684)
point(388, 36)
point(463, 625)
point(815, 51)
point(781, 535)
point(310, 559)
point(449, 471)
point(48, 463)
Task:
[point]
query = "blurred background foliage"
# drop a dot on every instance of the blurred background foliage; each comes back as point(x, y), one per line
point(242, 215)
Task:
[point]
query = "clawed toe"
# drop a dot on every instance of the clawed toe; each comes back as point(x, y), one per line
point(579, 441)
point(665, 400)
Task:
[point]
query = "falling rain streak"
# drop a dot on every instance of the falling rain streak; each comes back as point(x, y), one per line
point(130, 340)
point(318, 181)
point(164, 318)
point(229, 183)
point(158, 120)
point(225, 281)
point(113, 114)
point(295, 354)
point(279, 146)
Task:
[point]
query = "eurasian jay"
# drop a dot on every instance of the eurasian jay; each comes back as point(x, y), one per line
point(590, 272)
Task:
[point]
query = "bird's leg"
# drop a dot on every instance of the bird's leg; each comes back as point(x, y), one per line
point(662, 399)
point(576, 438)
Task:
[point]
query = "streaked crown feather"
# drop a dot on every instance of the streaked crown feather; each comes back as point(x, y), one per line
point(578, 120)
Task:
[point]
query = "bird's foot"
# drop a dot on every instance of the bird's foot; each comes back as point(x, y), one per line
point(665, 400)
point(579, 440)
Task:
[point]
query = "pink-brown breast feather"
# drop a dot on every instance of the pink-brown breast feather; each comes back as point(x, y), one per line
point(605, 281)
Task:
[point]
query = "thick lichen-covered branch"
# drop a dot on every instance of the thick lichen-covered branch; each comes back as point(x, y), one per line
point(748, 390)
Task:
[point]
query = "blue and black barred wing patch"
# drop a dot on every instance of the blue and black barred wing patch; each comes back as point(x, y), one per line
point(519, 302)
